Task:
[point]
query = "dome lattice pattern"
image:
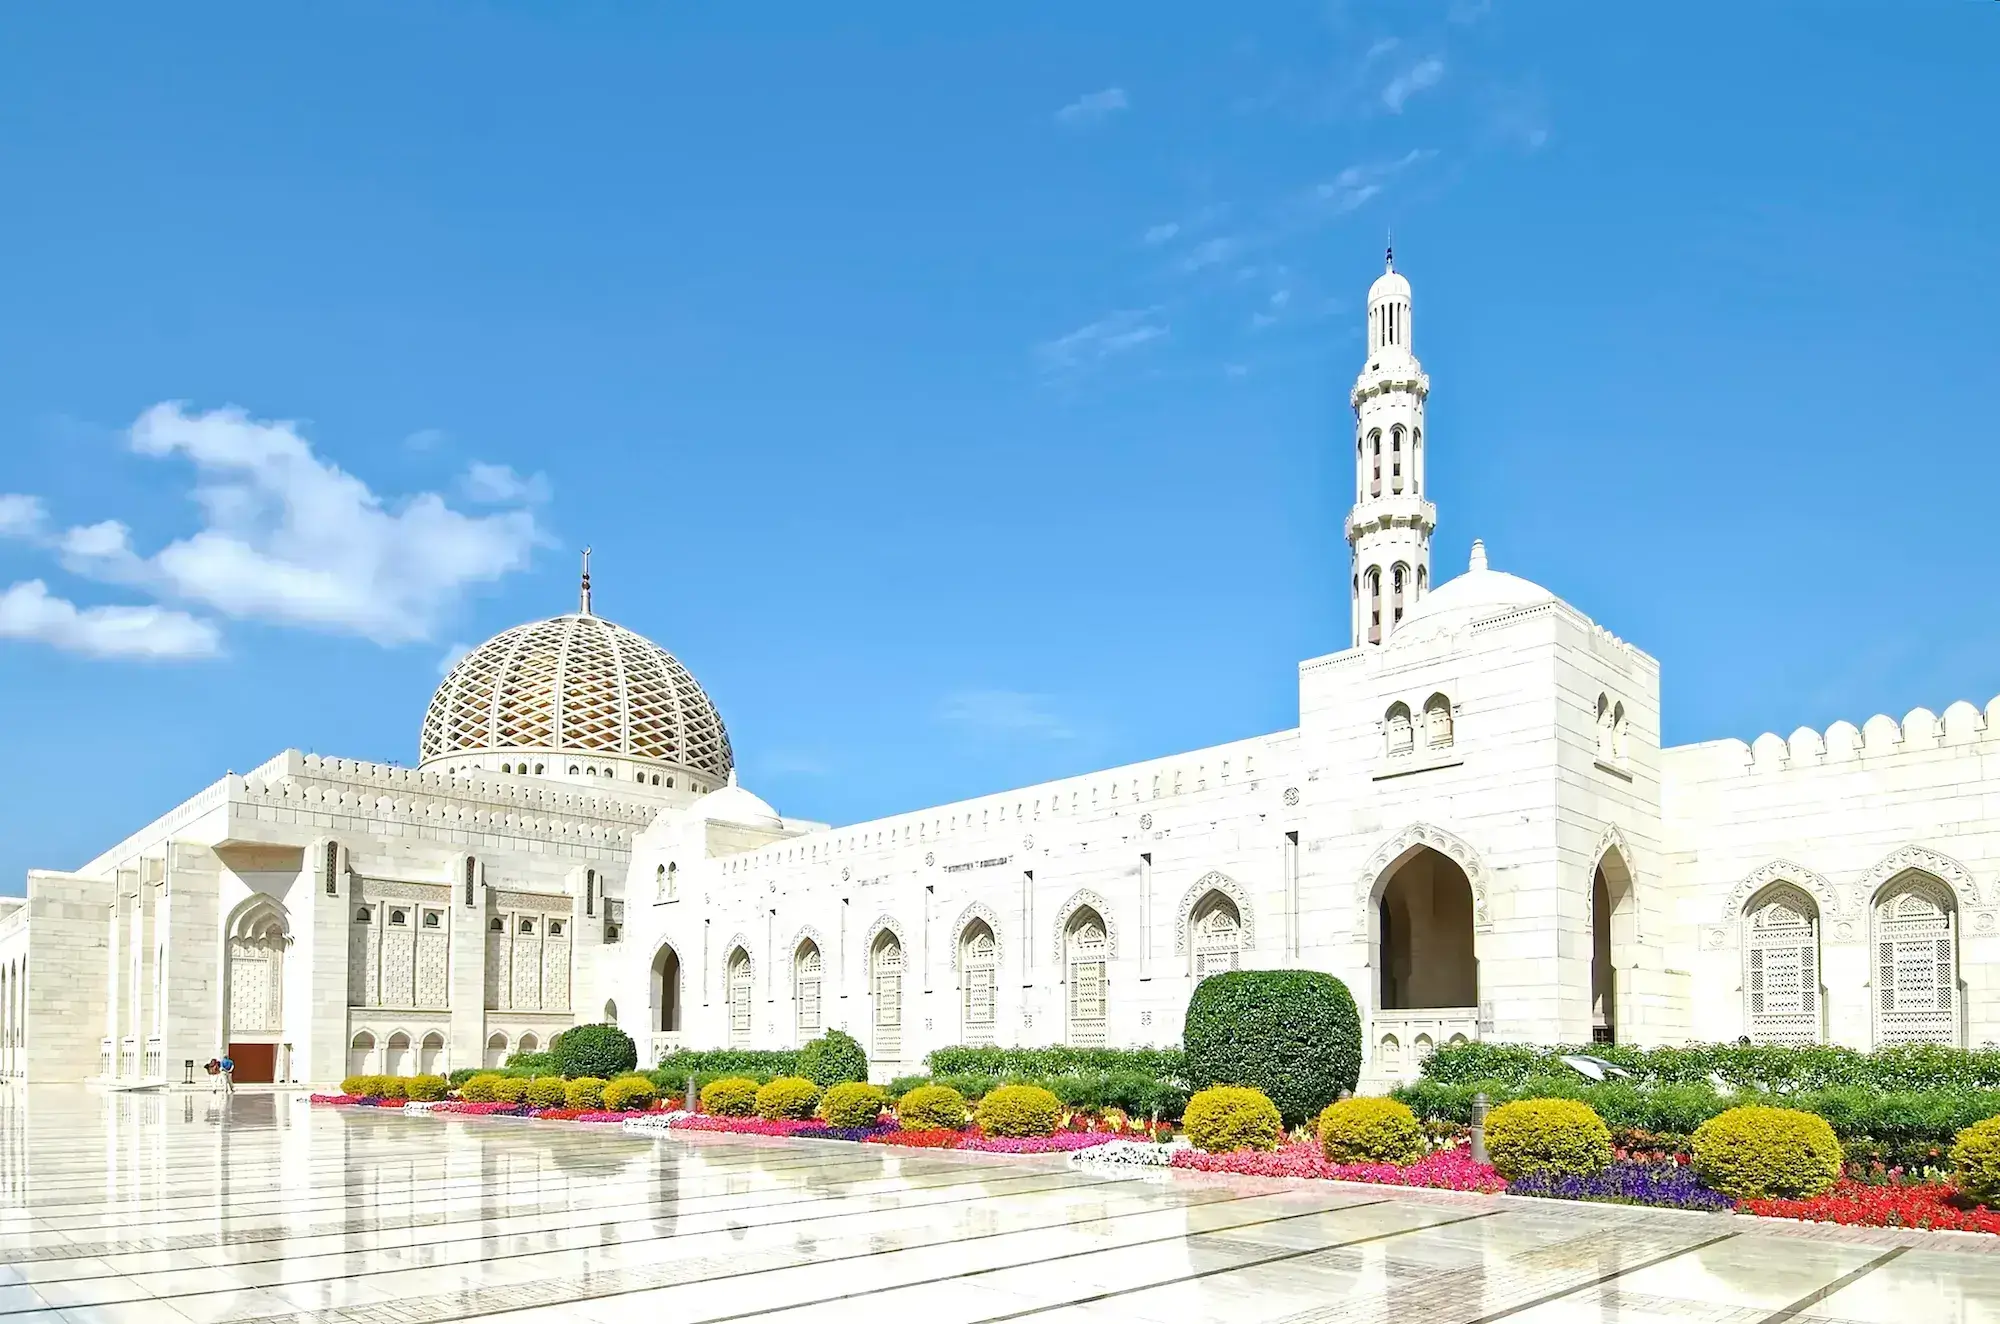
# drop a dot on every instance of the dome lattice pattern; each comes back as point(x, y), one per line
point(577, 682)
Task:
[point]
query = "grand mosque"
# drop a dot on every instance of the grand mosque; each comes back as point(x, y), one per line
point(1473, 824)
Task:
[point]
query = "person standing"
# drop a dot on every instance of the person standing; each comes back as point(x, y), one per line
point(228, 1068)
point(214, 1069)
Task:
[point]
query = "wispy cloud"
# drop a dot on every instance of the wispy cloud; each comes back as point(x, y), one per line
point(1090, 345)
point(452, 657)
point(1093, 108)
point(1354, 186)
point(21, 516)
point(424, 439)
point(1005, 714)
point(1425, 73)
point(499, 485)
point(1159, 234)
point(1210, 252)
point(29, 612)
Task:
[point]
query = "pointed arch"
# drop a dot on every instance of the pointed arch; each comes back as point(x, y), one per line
point(884, 923)
point(804, 934)
point(978, 910)
point(666, 976)
point(1815, 885)
point(1921, 859)
point(1914, 923)
point(1213, 881)
point(1081, 899)
point(1384, 859)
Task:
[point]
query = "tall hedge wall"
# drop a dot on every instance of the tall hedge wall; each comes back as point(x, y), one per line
point(1764, 1067)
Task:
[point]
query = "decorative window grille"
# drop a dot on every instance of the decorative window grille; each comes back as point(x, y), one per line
point(1916, 964)
point(332, 868)
point(739, 999)
point(1218, 937)
point(808, 970)
point(1087, 994)
point(981, 984)
point(1781, 993)
point(471, 869)
point(887, 976)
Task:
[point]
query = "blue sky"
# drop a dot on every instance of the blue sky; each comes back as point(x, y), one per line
point(962, 396)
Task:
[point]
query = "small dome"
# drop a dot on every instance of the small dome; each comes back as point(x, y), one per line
point(577, 683)
point(1479, 592)
point(737, 807)
point(1389, 285)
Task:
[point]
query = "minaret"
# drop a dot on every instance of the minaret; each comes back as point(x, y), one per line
point(1390, 525)
point(584, 606)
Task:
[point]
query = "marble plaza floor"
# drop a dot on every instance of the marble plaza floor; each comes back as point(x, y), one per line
point(177, 1207)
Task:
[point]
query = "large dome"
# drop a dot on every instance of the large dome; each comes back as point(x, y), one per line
point(578, 685)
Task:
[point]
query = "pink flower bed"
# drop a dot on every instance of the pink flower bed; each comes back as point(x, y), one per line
point(1446, 1170)
point(604, 1116)
point(342, 1099)
point(494, 1109)
point(749, 1126)
point(1062, 1142)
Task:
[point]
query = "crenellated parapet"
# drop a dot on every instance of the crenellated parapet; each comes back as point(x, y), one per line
point(1919, 732)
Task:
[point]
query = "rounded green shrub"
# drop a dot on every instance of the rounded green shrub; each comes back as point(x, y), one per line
point(1020, 1110)
point(585, 1092)
point(510, 1089)
point(546, 1092)
point(1223, 1118)
point(425, 1089)
point(732, 1096)
point(1370, 1131)
point(598, 1050)
point(357, 1086)
point(628, 1093)
point(787, 1097)
point(1293, 1034)
point(855, 1103)
point(479, 1088)
point(1756, 1152)
point(392, 1087)
point(1975, 1162)
point(1547, 1138)
point(835, 1058)
point(930, 1107)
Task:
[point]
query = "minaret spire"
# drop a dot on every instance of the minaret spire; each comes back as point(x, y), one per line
point(1389, 528)
point(586, 582)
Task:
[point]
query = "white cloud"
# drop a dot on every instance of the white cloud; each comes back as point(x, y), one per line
point(21, 516)
point(424, 439)
point(1425, 73)
point(1006, 713)
point(499, 485)
point(1159, 234)
point(290, 538)
point(29, 612)
point(1093, 108)
point(1354, 186)
point(1210, 252)
point(452, 657)
point(1107, 337)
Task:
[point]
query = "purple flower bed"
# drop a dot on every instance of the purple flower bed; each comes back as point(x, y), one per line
point(853, 1133)
point(1061, 1142)
point(1666, 1184)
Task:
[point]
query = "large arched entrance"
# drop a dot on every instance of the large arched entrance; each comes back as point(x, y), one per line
point(665, 998)
point(258, 935)
point(1611, 930)
point(1426, 969)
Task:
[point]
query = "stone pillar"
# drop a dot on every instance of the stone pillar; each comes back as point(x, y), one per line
point(471, 913)
point(318, 1031)
point(192, 988)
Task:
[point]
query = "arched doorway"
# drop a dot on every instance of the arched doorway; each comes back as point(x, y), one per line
point(1087, 947)
point(739, 999)
point(665, 995)
point(1611, 930)
point(1424, 945)
point(979, 982)
point(885, 967)
point(808, 972)
point(256, 985)
point(359, 1053)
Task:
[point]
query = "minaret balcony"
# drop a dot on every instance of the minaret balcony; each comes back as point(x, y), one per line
point(1389, 378)
point(1394, 510)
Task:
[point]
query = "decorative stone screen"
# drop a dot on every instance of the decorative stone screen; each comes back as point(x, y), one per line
point(1916, 963)
point(1781, 996)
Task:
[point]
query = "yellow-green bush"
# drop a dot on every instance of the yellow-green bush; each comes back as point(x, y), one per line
point(585, 1092)
point(546, 1092)
point(629, 1092)
point(479, 1089)
point(1020, 1110)
point(1755, 1152)
point(510, 1089)
point(732, 1096)
point(788, 1097)
point(1370, 1131)
point(1975, 1161)
point(1547, 1138)
point(1223, 1118)
point(425, 1089)
point(392, 1087)
point(929, 1107)
point(855, 1103)
point(361, 1087)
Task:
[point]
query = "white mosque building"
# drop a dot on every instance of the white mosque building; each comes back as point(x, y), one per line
point(1473, 824)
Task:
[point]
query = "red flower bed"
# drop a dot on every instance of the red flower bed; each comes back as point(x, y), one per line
point(1857, 1204)
point(940, 1138)
point(342, 1099)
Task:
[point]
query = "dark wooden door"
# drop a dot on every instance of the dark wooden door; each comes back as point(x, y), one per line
point(256, 1064)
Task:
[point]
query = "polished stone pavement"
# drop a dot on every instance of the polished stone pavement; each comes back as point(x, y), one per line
point(183, 1207)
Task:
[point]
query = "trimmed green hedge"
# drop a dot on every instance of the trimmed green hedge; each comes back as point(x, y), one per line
point(1134, 1092)
point(760, 1065)
point(1765, 1068)
point(1167, 1064)
point(835, 1058)
point(1294, 1034)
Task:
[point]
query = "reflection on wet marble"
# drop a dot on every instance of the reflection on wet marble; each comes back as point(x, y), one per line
point(181, 1207)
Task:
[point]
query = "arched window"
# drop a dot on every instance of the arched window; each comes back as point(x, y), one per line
point(1398, 582)
point(610, 1011)
point(1374, 604)
point(1396, 458)
point(1916, 962)
point(396, 1056)
point(430, 1058)
point(496, 1050)
point(1437, 721)
point(1423, 580)
point(660, 883)
point(1416, 461)
point(808, 971)
point(1396, 728)
point(1089, 998)
point(359, 1052)
point(1781, 998)
point(1375, 471)
point(530, 1044)
point(739, 999)
point(1618, 731)
point(1218, 935)
point(1604, 727)
point(979, 983)
point(885, 975)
